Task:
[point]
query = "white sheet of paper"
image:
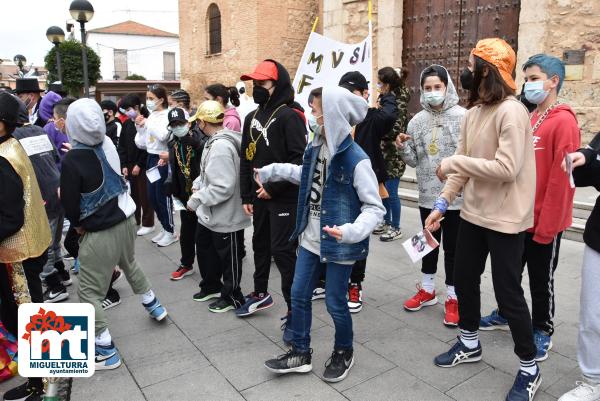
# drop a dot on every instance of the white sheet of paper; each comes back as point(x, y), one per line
point(419, 245)
point(569, 164)
point(153, 174)
point(178, 205)
point(36, 144)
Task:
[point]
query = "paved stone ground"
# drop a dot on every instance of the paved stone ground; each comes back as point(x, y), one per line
point(197, 355)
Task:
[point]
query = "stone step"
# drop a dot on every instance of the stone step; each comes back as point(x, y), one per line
point(410, 198)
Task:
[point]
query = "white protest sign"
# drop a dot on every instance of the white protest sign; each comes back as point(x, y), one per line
point(325, 60)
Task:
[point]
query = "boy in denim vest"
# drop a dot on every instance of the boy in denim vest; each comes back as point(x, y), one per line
point(338, 207)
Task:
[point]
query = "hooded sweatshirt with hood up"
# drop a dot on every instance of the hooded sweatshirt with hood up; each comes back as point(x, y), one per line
point(82, 171)
point(216, 197)
point(341, 110)
point(43, 156)
point(283, 140)
point(421, 130)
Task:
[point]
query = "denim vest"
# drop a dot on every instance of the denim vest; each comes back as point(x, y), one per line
point(112, 186)
point(340, 203)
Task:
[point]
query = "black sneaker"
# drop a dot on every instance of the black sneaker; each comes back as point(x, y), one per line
point(55, 294)
point(525, 386)
point(112, 299)
point(291, 362)
point(203, 296)
point(24, 392)
point(459, 353)
point(338, 366)
point(220, 306)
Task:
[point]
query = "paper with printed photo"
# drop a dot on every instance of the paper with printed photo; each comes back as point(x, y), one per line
point(419, 245)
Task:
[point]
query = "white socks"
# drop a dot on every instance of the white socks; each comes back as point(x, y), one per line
point(529, 366)
point(450, 291)
point(103, 339)
point(148, 297)
point(428, 283)
point(469, 338)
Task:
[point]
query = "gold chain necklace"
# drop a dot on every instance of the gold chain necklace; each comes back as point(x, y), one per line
point(185, 167)
point(251, 149)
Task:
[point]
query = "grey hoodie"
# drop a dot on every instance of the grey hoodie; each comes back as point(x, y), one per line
point(85, 123)
point(416, 151)
point(216, 197)
point(341, 111)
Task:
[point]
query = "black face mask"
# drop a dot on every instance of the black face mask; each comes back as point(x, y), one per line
point(261, 95)
point(466, 79)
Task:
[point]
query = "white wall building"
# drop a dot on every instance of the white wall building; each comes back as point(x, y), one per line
point(133, 48)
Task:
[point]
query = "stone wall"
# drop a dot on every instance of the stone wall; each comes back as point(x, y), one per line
point(553, 26)
point(251, 32)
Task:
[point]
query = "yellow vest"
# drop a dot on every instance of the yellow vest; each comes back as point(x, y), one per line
point(34, 237)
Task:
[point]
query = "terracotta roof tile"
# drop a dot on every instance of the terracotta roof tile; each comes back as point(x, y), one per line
point(133, 28)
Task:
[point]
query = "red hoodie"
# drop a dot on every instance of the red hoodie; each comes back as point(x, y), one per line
point(558, 135)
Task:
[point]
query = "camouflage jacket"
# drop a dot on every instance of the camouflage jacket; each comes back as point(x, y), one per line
point(394, 164)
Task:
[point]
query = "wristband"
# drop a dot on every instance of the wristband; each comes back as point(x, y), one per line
point(441, 204)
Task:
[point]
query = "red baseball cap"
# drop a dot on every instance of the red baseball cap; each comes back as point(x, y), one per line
point(266, 70)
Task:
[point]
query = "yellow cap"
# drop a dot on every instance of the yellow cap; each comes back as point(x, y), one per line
point(209, 111)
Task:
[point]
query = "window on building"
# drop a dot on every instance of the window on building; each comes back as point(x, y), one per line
point(213, 17)
point(169, 66)
point(121, 68)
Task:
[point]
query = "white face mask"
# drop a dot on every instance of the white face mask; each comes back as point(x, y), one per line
point(151, 105)
point(179, 131)
point(434, 98)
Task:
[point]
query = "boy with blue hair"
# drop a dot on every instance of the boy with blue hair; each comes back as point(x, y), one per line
point(555, 134)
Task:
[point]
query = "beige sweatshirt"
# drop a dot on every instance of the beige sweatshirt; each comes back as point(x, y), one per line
point(494, 166)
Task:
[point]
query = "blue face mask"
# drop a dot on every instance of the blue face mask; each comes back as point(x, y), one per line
point(534, 92)
point(313, 125)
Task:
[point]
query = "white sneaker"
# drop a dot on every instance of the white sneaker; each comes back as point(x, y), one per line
point(583, 392)
point(159, 236)
point(168, 239)
point(145, 230)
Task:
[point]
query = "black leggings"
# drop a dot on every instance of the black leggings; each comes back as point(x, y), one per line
point(448, 232)
point(475, 243)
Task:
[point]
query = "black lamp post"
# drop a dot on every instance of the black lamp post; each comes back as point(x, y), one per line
point(56, 35)
point(82, 12)
point(20, 61)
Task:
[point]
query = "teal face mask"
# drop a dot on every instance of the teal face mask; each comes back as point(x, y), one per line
point(179, 131)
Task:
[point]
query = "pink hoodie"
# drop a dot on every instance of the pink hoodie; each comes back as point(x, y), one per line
point(232, 120)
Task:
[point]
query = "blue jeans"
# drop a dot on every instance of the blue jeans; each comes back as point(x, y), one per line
point(162, 204)
point(308, 271)
point(392, 204)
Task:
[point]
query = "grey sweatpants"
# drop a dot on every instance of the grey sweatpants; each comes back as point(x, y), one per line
point(54, 251)
point(99, 253)
point(589, 317)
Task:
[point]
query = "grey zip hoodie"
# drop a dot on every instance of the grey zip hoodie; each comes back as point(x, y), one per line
point(341, 111)
point(416, 150)
point(216, 197)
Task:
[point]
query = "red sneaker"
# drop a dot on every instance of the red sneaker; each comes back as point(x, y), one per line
point(354, 298)
point(422, 298)
point(451, 317)
point(181, 272)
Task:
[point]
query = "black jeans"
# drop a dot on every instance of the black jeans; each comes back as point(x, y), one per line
point(221, 255)
point(358, 272)
point(187, 238)
point(274, 224)
point(505, 250)
point(541, 261)
point(449, 232)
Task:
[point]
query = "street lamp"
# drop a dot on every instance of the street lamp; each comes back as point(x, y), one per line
point(20, 60)
point(56, 35)
point(82, 12)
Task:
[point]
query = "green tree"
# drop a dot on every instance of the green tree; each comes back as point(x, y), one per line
point(72, 66)
point(136, 77)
